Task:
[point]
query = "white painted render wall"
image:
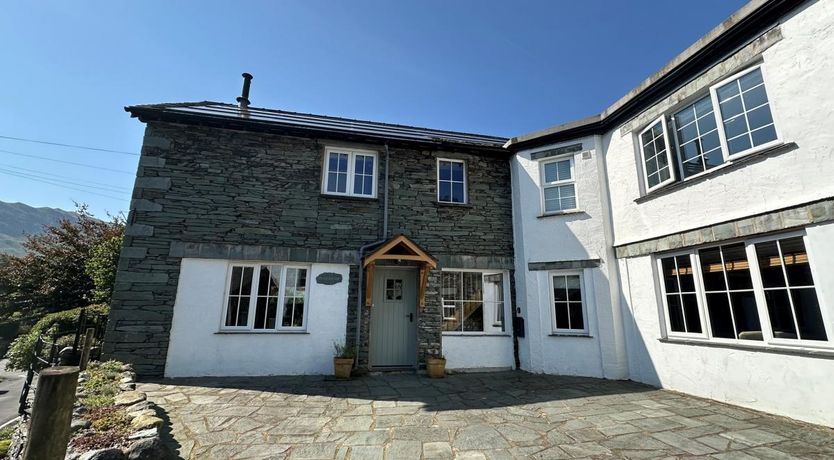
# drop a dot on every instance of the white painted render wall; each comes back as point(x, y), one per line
point(798, 71)
point(474, 352)
point(574, 236)
point(197, 349)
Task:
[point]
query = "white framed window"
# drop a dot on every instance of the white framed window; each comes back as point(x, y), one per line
point(759, 291)
point(349, 172)
point(265, 297)
point(731, 120)
point(473, 301)
point(451, 181)
point(657, 156)
point(558, 185)
point(567, 304)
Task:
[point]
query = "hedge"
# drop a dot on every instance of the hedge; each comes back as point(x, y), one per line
point(21, 351)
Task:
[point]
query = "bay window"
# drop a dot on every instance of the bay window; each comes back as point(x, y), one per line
point(265, 297)
point(760, 290)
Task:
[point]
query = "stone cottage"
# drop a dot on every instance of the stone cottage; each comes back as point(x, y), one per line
point(679, 238)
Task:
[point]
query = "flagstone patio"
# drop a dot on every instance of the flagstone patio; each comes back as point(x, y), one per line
point(470, 416)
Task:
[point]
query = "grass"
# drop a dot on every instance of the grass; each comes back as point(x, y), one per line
point(102, 385)
point(109, 425)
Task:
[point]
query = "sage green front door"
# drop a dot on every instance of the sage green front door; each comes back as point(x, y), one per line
point(394, 318)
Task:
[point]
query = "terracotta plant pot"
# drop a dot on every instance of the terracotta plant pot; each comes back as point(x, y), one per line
point(436, 367)
point(342, 367)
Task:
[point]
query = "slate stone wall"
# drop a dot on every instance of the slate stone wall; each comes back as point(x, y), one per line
point(208, 190)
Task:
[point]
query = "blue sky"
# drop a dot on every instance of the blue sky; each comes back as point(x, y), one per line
point(502, 68)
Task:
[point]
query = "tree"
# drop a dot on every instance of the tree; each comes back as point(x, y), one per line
point(101, 268)
point(52, 275)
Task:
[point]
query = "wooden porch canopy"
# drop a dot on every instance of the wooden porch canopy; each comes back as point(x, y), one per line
point(399, 248)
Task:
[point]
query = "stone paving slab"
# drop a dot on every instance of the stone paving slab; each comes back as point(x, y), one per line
point(490, 416)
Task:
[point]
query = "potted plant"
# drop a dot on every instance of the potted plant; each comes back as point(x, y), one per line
point(343, 361)
point(436, 366)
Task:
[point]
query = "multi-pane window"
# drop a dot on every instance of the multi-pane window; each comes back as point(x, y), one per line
point(451, 181)
point(558, 185)
point(732, 120)
point(699, 145)
point(260, 294)
point(349, 172)
point(681, 297)
point(760, 290)
point(568, 312)
point(789, 292)
point(472, 301)
point(656, 155)
point(745, 112)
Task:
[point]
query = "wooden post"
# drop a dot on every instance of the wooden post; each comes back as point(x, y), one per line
point(85, 352)
point(49, 426)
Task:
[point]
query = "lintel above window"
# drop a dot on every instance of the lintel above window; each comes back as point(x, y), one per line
point(349, 172)
point(733, 119)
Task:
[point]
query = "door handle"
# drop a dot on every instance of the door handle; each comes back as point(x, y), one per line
point(411, 317)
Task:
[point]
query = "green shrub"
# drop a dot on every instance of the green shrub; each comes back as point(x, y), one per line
point(21, 351)
point(108, 418)
point(102, 384)
point(6, 439)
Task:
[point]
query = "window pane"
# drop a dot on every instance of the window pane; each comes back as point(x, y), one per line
point(808, 314)
point(738, 270)
point(721, 321)
point(686, 116)
point(746, 315)
point(234, 285)
point(341, 183)
point(675, 313)
point(574, 289)
point(688, 133)
point(685, 275)
point(697, 139)
point(690, 311)
point(560, 292)
point(260, 313)
point(710, 141)
point(562, 321)
point(707, 122)
point(779, 311)
point(769, 265)
point(763, 135)
point(735, 126)
point(263, 280)
point(551, 172)
point(473, 316)
point(231, 311)
point(445, 170)
point(692, 167)
point(457, 192)
point(738, 144)
point(576, 319)
point(670, 278)
point(796, 262)
point(369, 186)
point(472, 286)
point(243, 311)
point(727, 91)
point(445, 191)
point(713, 275)
point(457, 171)
point(730, 109)
point(754, 98)
point(713, 159)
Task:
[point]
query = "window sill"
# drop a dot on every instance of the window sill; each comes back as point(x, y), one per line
point(782, 350)
point(720, 169)
point(476, 334)
point(571, 334)
point(348, 197)
point(452, 205)
point(560, 213)
point(260, 332)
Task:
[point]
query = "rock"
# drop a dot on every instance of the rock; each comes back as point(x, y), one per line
point(126, 367)
point(79, 424)
point(111, 453)
point(149, 433)
point(143, 422)
point(148, 449)
point(128, 377)
point(67, 356)
point(129, 398)
point(142, 412)
point(127, 386)
point(139, 406)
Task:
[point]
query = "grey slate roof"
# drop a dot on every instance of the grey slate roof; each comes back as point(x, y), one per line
point(231, 115)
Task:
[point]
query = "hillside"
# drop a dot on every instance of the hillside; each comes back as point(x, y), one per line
point(18, 220)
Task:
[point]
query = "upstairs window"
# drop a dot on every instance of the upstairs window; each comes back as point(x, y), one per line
point(733, 120)
point(349, 173)
point(558, 186)
point(266, 297)
point(451, 181)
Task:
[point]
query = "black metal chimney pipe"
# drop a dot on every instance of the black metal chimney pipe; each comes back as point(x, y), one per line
point(243, 100)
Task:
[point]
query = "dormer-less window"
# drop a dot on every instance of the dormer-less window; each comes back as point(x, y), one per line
point(349, 172)
point(733, 120)
point(451, 181)
point(558, 186)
